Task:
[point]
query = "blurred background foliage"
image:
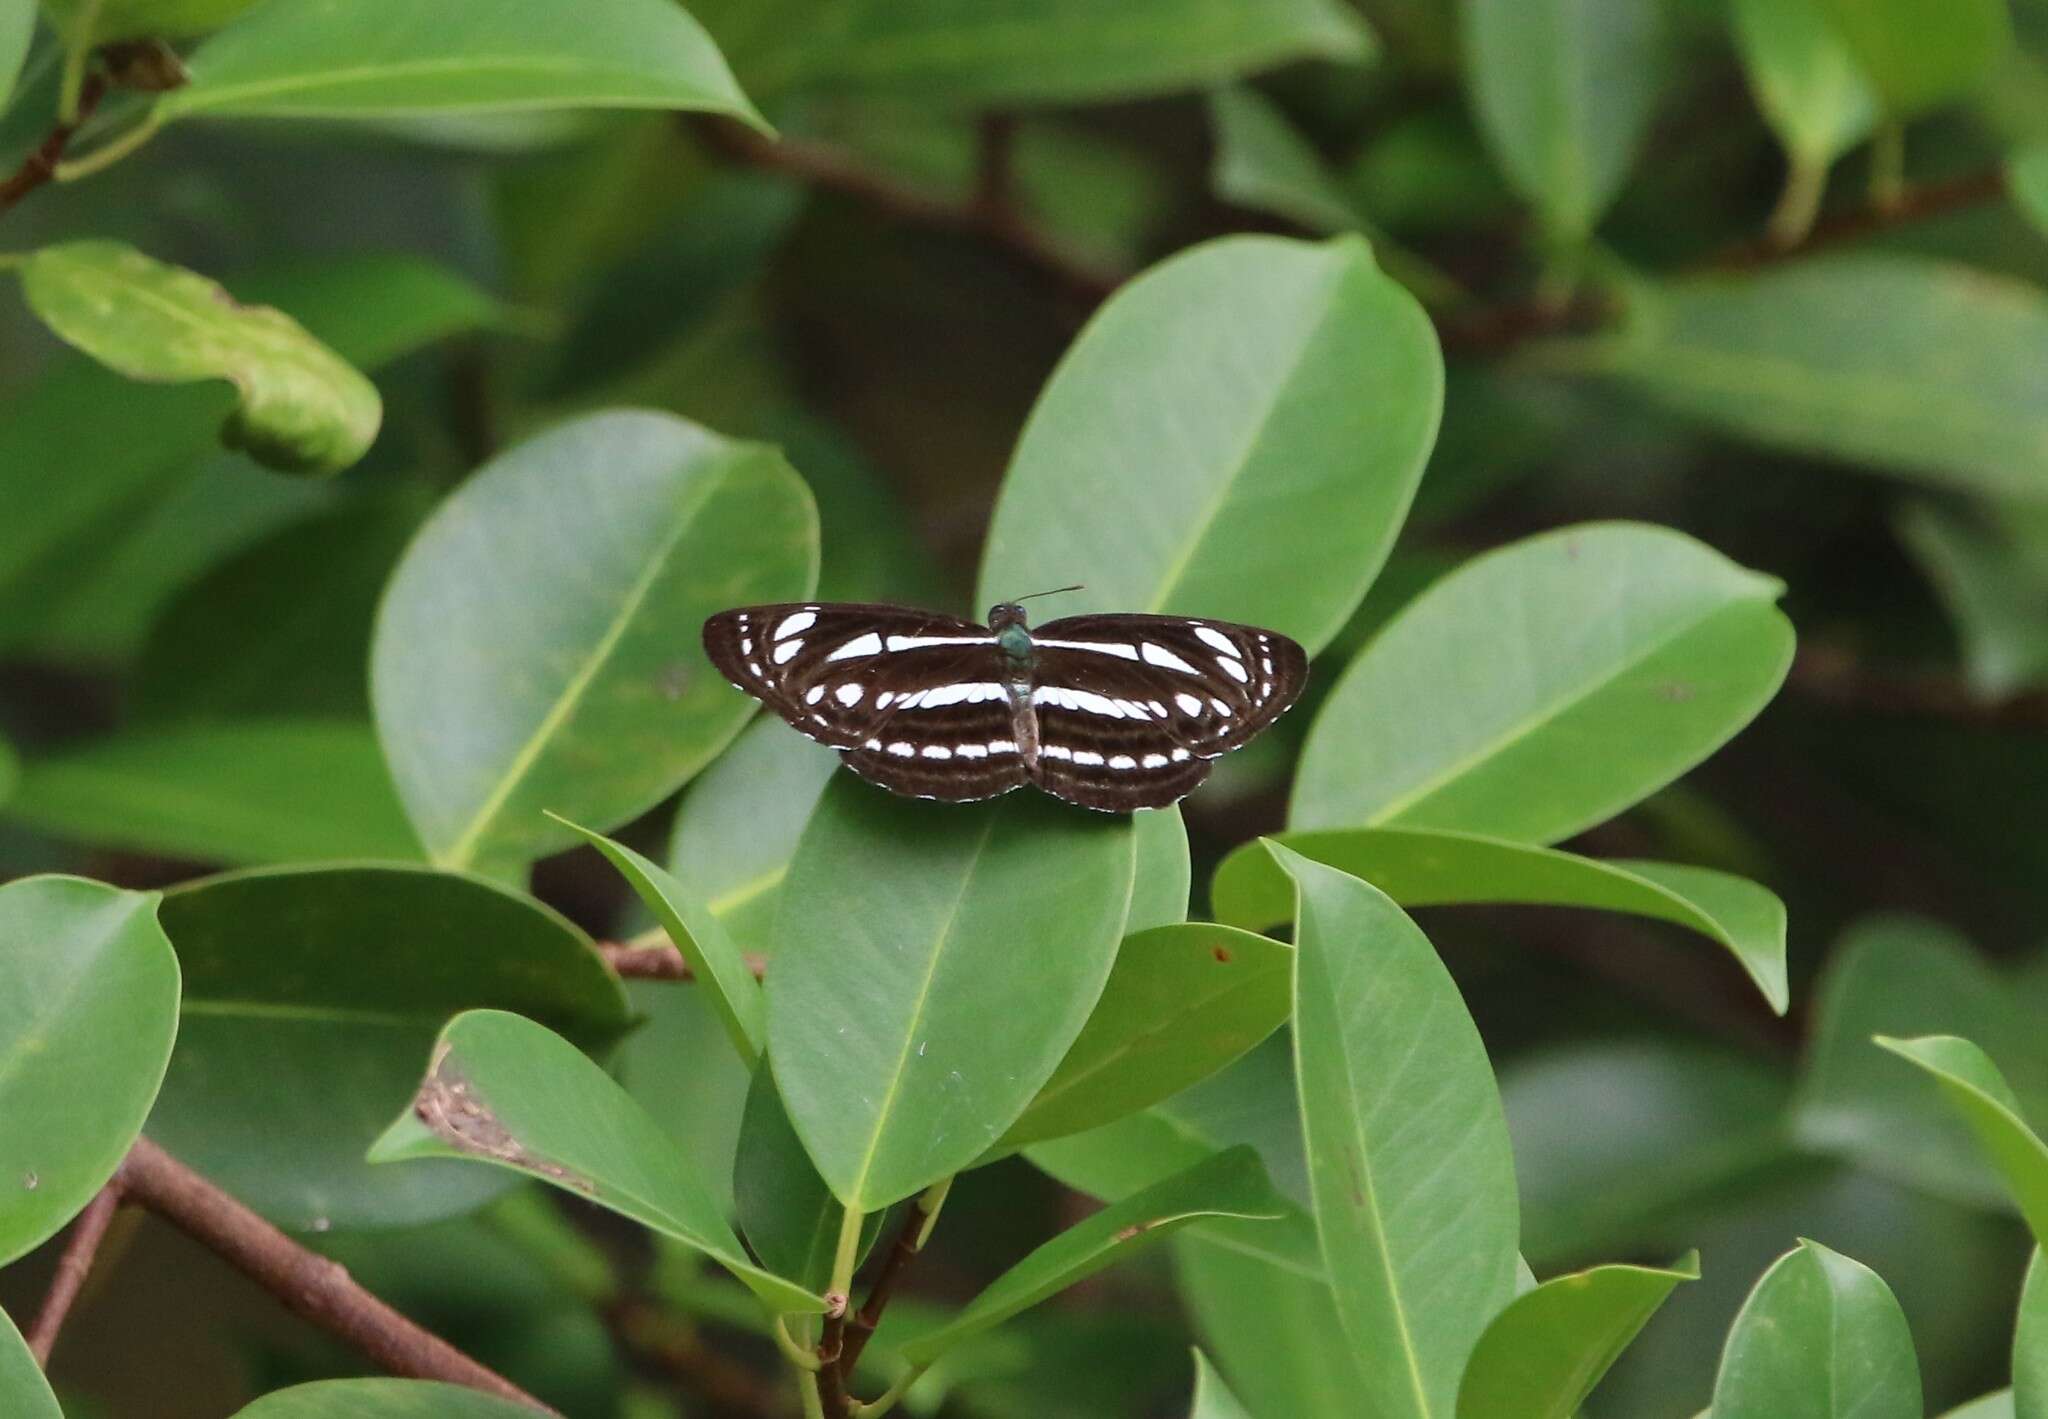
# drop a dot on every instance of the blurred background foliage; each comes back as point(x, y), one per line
point(1608, 207)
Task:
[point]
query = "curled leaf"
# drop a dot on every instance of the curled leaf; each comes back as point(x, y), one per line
point(301, 408)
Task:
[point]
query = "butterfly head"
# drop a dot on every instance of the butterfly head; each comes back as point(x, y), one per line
point(1006, 619)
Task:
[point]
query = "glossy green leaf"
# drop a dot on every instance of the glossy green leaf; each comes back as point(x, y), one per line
point(301, 408)
point(720, 967)
point(738, 824)
point(1159, 897)
point(281, 629)
point(1180, 1003)
point(1921, 53)
point(2029, 1399)
point(1896, 363)
point(1269, 406)
point(1264, 164)
point(1564, 91)
point(1806, 81)
point(1821, 1337)
point(1270, 1329)
point(538, 645)
point(1902, 976)
point(256, 791)
point(1994, 583)
point(1409, 1164)
point(1541, 1356)
point(789, 1217)
point(1991, 1406)
point(1230, 1184)
point(679, 1065)
point(1633, 638)
point(24, 1393)
point(375, 57)
point(143, 19)
point(381, 1399)
point(312, 994)
point(502, 1090)
point(1422, 868)
point(86, 1024)
point(17, 28)
point(1973, 1087)
point(1213, 1399)
point(965, 52)
point(933, 964)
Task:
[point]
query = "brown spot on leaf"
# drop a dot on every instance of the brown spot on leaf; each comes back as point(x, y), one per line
point(449, 1105)
point(1221, 953)
point(1676, 691)
point(1136, 1229)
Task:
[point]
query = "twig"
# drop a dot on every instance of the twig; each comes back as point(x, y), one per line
point(1913, 204)
point(910, 1239)
point(72, 1268)
point(658, 961)
point(997, 222)
point(1833, 676)
point(40, 166)
point(309, 1285)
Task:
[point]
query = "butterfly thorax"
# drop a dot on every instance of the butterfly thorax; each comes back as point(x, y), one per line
point(1006, 619)
point(1013, 638)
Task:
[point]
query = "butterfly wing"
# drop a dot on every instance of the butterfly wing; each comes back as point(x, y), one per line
point(1132, 709)
point(912, 699)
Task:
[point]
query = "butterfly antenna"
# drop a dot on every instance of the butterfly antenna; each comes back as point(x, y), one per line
point(1077, 586)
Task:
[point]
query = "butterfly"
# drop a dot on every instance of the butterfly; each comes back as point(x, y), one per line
point(1110, 712)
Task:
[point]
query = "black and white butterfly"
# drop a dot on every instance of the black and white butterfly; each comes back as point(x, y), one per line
point(1110, 712)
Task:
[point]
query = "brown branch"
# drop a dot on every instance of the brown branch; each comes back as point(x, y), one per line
point(40, 166)
point(1915, 204)
point(72, 1268)
point(309, 1285)
point(861, 1328)
point(658, 962)
point(838, 1404)
point(989, 214)
point(1833, 676)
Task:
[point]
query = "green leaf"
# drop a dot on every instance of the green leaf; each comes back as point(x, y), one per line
point(1541, 1356)
point(1159, 897)
point(380, 57)
point(86, 1024)
point(717, 962)
point(1820, 1337)
point(1274, 1332)
point(381, 1399)
point(24, 1393)
point(1422, 868)
point(254, 791)
point(1213, 1399)
point(1902, 976)
point(1994, 584)
point(505, 1091)
point(311, 995)
point(1681, 1128)
point(2029, 1398)
point(1806, 82)
point(789, 1217)
point(1564, 91)
point(301, 408)
point(537, 647)
point(1269, 406)
point(145, 19)
point(1991, 1406)
point(963, 53)
point(1634, 638)
point(679, 1065)
point(2027, 179)
point(17, 28)
point(283, 628)
point(1264, 164)
point(1229, 1184)
point(932, 966)
point(1408, 1156)
point(1180, 1003)
point(1919, 54)
point(1895, 363)
point(738, 824)
point(1973, 1087)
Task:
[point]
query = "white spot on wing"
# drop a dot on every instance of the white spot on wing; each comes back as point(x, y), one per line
point(1188, 705)
point(1155, 761)
point(814, 694)
point(971, 751)
point(903, 749)
point(1156, 654)
point(921, 642)
point(1222, 707)
point(1180, 756)
point(1122, 761)
point(1002, 746)
point(1087, 756)
point(1123, 650)
point(848, 694)
point(795, 623)
point(936, 751)
point(786, 652)
point(1233, 668)
point(1217, 641)
point(869, 644)
point(1055, 751)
